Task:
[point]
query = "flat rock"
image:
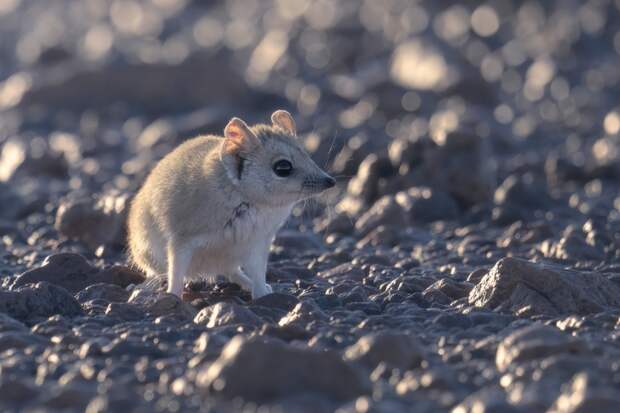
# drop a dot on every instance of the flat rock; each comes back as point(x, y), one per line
point(225, 313)
point(487, 400)
point(386, 211)
point(426, 205)
point(304, 314)
point(74, 273)
point(10, 324)
point(280, 301)
point(397, 350)
point(102, 291)
point(584, 394)
point(534, 342)
point(98, 220)
point(527, 288)
point(159, 304)
point(39, 300)
point(261, 370)
point(19, 340)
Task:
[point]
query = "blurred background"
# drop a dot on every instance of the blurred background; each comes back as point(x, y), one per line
point(462, 97)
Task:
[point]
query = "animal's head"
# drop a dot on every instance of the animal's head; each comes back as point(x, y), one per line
point(268, 164)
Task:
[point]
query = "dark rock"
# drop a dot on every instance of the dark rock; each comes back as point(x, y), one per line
point(459, 165)
point(124, 311)
point(158, 304)
point(16, 390)
point(260, 370)
point(293, 240)
point(225, 313)
point(97, 221)
point(386, 211)
point(74, 273)
point(397, 350)
point(535, 342)
point(343, 272)
point(210, 345)
point(69, 396)
point(584, 394)
point(150, 86)
point(452, 289)
point(280, 301)
point(426, 205)
point(364, 188)
point(10, 324)
point(70, 271)
point(102, 291)
point(19, 340)
point(527, 288)
point(21, 160)
point(40, 300)
point(523, 191)
point(119, 275)
point(305, 314)
point(490, 399)
point(572, 246)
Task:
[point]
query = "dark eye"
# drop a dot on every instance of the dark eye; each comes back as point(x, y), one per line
point(283, 168)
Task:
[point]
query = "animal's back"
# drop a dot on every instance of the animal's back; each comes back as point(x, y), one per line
point(156, 206)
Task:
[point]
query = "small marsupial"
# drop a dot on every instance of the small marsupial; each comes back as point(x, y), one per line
point(213, 205)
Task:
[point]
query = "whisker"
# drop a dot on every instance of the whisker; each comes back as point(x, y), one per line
point(331, 148)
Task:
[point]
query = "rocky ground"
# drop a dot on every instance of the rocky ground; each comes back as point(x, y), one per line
point(469, 261)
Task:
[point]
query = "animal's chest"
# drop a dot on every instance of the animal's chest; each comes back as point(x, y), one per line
point(248, 224)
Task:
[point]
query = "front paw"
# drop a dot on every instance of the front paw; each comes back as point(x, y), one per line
point(261, 290)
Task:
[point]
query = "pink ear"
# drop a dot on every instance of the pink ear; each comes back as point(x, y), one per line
point(284, 120)
point(239, 137)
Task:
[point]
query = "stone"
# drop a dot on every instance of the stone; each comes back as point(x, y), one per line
point(10, 324)
point(210, 345)
point(39, 300)
point(68, 270)
point(491, 399)
point(124, 311)
point(74, 273)
point(70, 396)
point(426, 205)
point(450, 288)
point(572, 246)
point(459, 164)
point(526, 288)
point(16, 390)
point(585, 394)
point(120, 275)
point(386, 211)
point(225, 313)
point(157, 304)
point(305, 314)
point(153, 87)
point(19, 340)
point(346, 271)
point(21, 160)
point(285, 302)
point(364, 189)
point(96, 221)
point(259, 369)
point(535, 342)
point(396, 350)
point(102, 291)
point(294, 240)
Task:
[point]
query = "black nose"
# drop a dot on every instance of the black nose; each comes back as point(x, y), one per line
point(329, 182)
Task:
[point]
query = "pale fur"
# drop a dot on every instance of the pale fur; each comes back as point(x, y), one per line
point(194, 218)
